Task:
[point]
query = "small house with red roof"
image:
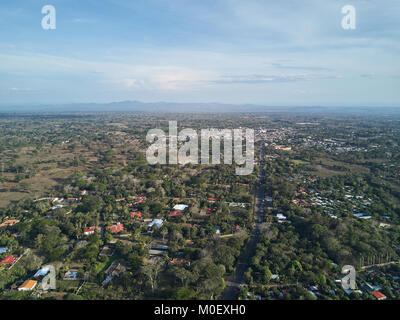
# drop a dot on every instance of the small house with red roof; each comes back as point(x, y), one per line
point(8, 223)
point(175, 213)
point(135, 214)
point(180, 261)
point(8, 260)
point(116, 228)
point(378, 295)
point(89, 231)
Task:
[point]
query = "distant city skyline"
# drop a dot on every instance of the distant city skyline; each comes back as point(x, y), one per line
point(247, 51)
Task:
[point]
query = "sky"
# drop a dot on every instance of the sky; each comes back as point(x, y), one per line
point(277, 53)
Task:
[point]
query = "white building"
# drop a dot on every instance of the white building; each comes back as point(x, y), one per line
point(180, 207)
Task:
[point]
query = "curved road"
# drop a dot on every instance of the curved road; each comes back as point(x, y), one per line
point(242, 265)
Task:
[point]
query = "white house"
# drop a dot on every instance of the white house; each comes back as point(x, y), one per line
point(157, 222)
point(180, 207)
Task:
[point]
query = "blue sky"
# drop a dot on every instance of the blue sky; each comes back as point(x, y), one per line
point(291, 52)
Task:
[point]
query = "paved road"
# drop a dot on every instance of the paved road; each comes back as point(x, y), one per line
point(243, 262)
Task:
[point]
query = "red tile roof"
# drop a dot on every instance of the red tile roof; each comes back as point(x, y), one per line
point(8, 260)
point(178, 261)
point(379, 295)
point(8, 223)
point(116, 228)
point(136, 214)
point(91, 229)
point(175, 213)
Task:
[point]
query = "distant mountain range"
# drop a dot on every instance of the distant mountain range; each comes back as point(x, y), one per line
point(138, 106)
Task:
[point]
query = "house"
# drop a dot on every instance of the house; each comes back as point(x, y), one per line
point(378, 295)
point(135, 214)
point(106, 251)
point(115, 269)
point(8, 260)
point(180, 207)
point(8, 223)
point(349, 291)
point(89, 231)
point(301, 202)
point(84, 193)
point(243, 184)
point(384, 225)
point(280, 216)
point(237, 204)
point(115, 216)
point(157, 222)
point(71, 275)
point(312, 293)
point(42, 272)
point(159, 247)
point(209, 210)
point(154, 252)
point(212, 199)
point(361, 216)
point(3, 250)
point(175, 213)
point(180, 261)
point(283, 148)
point(119, 199)
point(28, 285)
point(116, 228)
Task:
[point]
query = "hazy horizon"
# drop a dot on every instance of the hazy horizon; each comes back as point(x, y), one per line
point(235, 52)
point(192, 107)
